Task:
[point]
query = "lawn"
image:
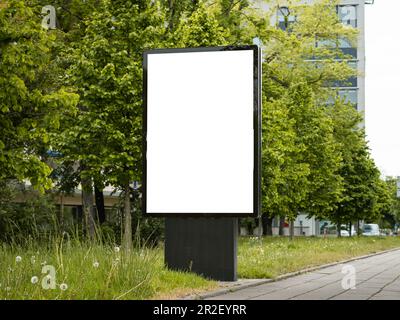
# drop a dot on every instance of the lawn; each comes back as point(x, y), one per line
point(274, 256)
point(97, 271)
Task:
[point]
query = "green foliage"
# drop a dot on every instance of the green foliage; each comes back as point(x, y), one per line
point(392, 214)
point(200, 29)
point(105, 137)
point(28, 109)
point(308, 146)
point(105, 66)
point(25, 214)
point(315, 158)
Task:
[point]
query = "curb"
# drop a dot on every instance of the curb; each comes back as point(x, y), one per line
point(248, 283)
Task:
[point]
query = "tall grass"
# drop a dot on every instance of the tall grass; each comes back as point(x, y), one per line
point(85, 267)
point(99, 269)
point(90, 270)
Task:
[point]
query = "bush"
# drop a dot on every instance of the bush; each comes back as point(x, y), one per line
point(25, 213)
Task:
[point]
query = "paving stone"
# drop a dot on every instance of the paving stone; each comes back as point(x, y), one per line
point(349, 296)
point(288, 292)
point(377, 277)
point(322, 293)
point(386, 295)
point(392, 288)
point(364, 290)
point(372, 285)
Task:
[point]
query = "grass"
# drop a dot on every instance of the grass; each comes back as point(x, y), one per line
point(274, 256)
point(92, 272)
point(100, 272)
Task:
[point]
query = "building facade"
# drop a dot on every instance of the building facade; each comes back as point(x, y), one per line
point(350, 12)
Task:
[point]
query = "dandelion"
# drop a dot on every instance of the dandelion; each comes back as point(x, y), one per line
point(63, 286)
point(18, 259)
point(33, 259)
point(116, 249)
point(95, 264)
point(34, 280)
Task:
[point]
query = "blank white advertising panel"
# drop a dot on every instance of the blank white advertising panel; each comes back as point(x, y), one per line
point(201, 109)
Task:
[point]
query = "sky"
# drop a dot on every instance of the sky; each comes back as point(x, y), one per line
point(382, 115)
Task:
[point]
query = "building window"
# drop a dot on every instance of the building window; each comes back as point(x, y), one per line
point(348, 15)
point(349, 96)
point(347, 47)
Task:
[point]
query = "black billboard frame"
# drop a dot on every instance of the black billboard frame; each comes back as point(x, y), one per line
point(257, 129)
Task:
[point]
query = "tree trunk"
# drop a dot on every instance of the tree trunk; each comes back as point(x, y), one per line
point(350, 225)
point(88, 209)
point(127, 219)
point(259, 227)
point(267, 225)
point(281, 225)
point(61, 218)
point(99, 198)
point(338, 226)
point(291, 229)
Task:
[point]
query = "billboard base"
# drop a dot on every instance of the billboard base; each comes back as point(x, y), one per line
point(206, 246)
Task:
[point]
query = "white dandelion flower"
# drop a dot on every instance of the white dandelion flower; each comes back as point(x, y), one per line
point(33, 259)
point(95, 264)
point(116, 249)
point(18, 259)
point(63, 286)
point(34, 280)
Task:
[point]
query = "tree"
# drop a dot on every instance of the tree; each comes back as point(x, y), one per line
point(106, 67)
point(306, 176)
point(365, 196)
point(392, 214)
point(29, 105)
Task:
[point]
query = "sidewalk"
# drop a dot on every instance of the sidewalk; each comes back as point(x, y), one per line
point(376, 278)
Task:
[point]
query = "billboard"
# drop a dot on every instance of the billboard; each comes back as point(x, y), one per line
point(202, 132)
